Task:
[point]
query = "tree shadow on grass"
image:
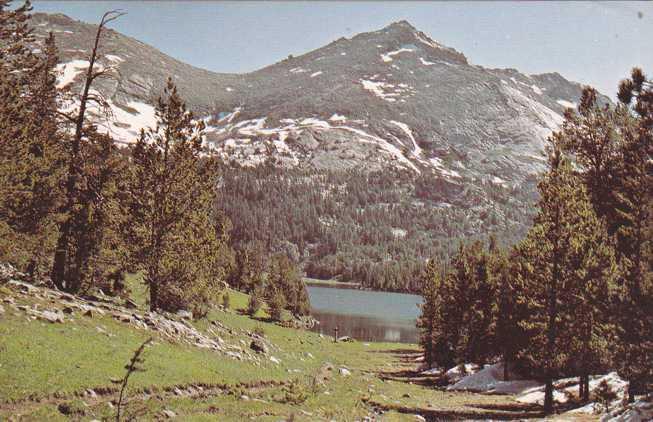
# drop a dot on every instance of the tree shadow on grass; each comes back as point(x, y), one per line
point(468, 412)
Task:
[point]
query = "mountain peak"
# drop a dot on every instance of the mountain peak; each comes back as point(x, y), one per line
point(401, 25)
point(403, 35)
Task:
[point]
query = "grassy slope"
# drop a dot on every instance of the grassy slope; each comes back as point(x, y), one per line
point(38, 359)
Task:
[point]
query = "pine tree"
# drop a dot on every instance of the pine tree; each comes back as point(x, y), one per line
point(562, 247)
point(509, 339)
point(476, 342)
point(593, 270)
point(276, 303)
point(70, 269)
point(612, 147)
point(284, 280)
point(431, 281)
point(176, 238)
point(592, 136)
point(255, 301)
point(634, 237)
point(30, 143)
point(249, 268)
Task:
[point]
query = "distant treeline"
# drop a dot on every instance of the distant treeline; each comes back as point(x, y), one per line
point(375, 228)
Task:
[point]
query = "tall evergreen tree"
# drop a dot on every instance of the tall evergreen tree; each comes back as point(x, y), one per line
point(250, 267)
point(97, 251)
point(175, 236)
point(284, 280)
point(592, 134)
point(30, 142)
point(70, 269)
point(563, 244)
point(431, 283)
point(634, 237)
point(508, 336)
point(592, 271)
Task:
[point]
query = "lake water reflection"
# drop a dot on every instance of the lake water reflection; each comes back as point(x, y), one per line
point(365, 315)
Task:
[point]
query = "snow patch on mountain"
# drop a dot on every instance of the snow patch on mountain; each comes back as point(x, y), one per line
point(337, 118)
point(114, 58)
point(126, 122)
point(417, 151)
point(387, 57)
point(69, 71)
point(385, 145)
point(566, 104)
point(536, 89)
point(423, 39)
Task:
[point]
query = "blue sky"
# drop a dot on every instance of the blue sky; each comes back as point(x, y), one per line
point(594, 43)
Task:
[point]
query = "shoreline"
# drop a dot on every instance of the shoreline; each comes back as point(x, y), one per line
point(332, 283)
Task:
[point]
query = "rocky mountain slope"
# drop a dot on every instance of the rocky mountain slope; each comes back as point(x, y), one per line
point(392, 97)
point(450, 150)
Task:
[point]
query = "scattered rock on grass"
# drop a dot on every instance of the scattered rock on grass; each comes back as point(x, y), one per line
point(168, 413)
point(258, 346)
point(51, 316)
point(130, 304)
point(344, 372)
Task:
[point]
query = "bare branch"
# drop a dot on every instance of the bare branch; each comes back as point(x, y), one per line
point(69, 117)
point(110, 16)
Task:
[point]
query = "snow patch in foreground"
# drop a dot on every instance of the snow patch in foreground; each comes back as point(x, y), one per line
point(536, 395)
point(490, 379)
point(640, 411)
point(457, 373)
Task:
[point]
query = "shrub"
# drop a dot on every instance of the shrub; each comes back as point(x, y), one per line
point(276, 304)
point(254, 303)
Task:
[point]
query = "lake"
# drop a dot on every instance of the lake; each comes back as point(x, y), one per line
point(365, 315)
